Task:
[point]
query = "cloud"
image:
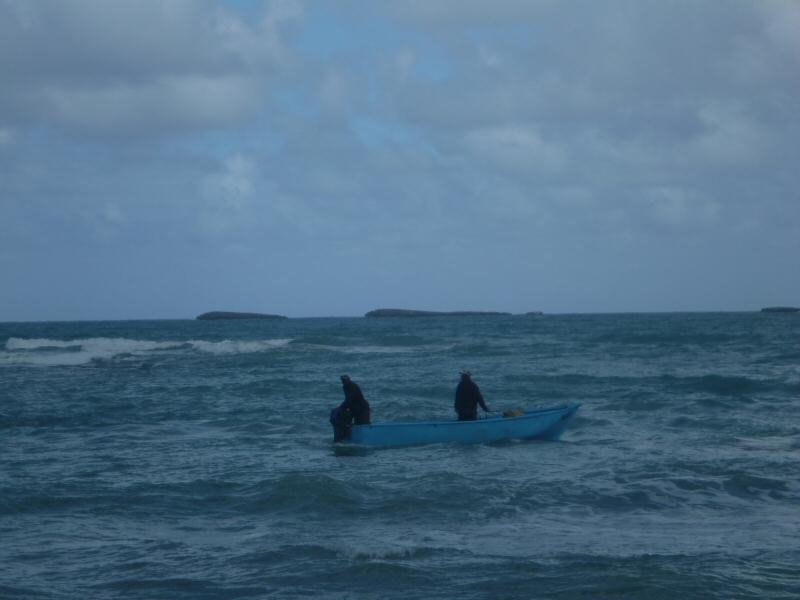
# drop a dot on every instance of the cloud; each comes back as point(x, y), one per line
point(227, 198)
point(517, 147)
point(144, 67)
point(448, 12)
point(167, 104)
point(528, 145)
point(6, 136)
point(782, 18)
point(729, 136)
point(676, 207)
point(105, 221)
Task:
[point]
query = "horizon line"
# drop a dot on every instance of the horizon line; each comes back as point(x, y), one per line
point(363, 316)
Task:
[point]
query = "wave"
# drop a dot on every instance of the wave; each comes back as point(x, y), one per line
point(388, 341)
point(290, 494)
point(398, 344)
point(46, 352)
point(76, 352)
point(371, 349)
point(721, 385)
point(664, 338)
point(238, 346)
point(747, 485)
point(50, 352)
point(302, 491)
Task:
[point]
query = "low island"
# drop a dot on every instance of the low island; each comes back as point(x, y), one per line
point(403, 312)
point(218, 315)
point(780, 309)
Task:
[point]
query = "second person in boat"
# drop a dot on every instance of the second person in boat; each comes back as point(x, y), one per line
point(468, 397)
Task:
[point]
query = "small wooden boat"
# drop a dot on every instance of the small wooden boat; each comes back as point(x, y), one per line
point(544, 424)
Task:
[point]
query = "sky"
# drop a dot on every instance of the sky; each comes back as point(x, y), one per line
point(325, 158)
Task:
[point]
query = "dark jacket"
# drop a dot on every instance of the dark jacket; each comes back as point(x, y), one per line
point(468, 397)
point(355, 404)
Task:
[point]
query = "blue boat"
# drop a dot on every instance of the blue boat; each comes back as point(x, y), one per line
point(540, 424)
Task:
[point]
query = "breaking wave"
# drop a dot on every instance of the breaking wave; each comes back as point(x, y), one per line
point(50, 352)
point(53, 352)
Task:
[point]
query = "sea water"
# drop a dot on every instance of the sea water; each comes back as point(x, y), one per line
point(193, 459)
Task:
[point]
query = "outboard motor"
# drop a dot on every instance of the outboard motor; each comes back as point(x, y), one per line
point(342, 422)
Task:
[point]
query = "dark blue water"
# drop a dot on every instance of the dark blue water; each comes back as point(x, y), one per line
point(188, 459)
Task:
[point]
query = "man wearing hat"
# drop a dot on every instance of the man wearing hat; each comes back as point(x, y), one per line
point(468, 397)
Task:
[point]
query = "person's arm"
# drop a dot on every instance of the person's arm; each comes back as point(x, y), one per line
point(479, 397)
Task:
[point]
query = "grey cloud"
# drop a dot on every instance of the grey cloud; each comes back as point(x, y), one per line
point(565, 156)
point(133, 67)
point(460, 12)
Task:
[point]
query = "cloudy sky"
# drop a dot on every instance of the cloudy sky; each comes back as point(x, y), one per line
point(160, 159)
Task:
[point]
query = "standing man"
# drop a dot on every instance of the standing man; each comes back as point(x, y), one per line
point(468, 397)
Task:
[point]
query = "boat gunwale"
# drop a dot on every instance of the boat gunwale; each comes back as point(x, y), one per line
point(528, 415)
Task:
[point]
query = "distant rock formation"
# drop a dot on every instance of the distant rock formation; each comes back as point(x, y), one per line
point(403, 312)
point(534, 313)
point(218, 315)
point(780, 309)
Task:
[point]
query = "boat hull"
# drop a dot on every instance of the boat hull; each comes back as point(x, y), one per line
point(546, 423)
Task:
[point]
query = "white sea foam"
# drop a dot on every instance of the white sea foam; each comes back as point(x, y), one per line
point(49, 352)
point(39, 344)
point(238, 346)
point(53, 352)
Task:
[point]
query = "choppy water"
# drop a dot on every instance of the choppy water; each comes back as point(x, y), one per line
point(188, 459)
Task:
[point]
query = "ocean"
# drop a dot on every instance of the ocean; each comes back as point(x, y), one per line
point(194, 459)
